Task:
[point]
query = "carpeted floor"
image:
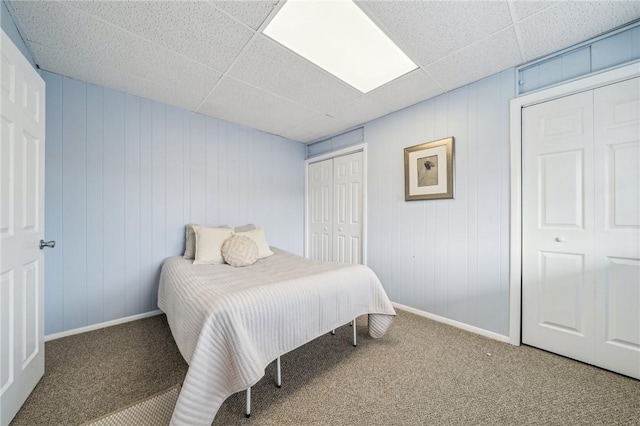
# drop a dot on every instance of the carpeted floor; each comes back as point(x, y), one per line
point(421, 372)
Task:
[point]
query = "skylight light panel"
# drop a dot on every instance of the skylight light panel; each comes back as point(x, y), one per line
point(340, 38)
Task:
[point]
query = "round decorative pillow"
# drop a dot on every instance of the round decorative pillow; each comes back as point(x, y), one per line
point(240, 251)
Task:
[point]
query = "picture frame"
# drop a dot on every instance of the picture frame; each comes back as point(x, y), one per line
point(428, 170)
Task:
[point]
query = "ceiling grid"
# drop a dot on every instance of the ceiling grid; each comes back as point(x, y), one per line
point(212, 58)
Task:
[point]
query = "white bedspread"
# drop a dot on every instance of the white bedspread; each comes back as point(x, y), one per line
point(230, 323)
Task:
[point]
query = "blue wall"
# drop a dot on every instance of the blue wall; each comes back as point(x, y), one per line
point(446, 257)
point(9, 27)
point(123, 177)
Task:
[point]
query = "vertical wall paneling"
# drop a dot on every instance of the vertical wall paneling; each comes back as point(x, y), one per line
point(210, 206)
point(472, 201)
point(158, 190)
point(457, 288)
point(174, 186)
point(123, 177)
point(53, 291)
point(491, 140)
point(147, 266)
point(95, 231)
point(446, 257)
point(132, 233)
point(113, 198)
point(506, 94)
point(198, 179)
point(74, 193)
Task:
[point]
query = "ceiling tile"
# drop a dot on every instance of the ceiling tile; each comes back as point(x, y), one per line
point(470, 64)
point(405, 91)
point(274, 68)
point(569, 23)
point(240, 103)
point(159, 90)
point(58, 62)
point(253, 13)
point(51, 24)
point(524, 8)
point(359, 111)
point(195, 29)
point(429, 30)
point(316, 129)
point(81, 38)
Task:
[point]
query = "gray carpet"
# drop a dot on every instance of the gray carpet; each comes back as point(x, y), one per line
point(421, 372)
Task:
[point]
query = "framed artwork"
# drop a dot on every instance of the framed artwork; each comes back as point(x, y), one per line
point(428, 170)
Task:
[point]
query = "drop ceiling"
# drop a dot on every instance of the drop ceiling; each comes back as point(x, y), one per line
point(211, 57)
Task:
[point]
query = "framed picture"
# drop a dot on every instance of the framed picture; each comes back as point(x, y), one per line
point(428, 170)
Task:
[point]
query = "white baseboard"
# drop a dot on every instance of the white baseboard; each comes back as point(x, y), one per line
point(457, 324)
point(101, 325)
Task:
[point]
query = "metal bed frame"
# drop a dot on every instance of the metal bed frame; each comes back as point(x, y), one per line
point(279, 370)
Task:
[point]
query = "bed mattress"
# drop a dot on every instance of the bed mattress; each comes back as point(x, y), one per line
point(230, 323)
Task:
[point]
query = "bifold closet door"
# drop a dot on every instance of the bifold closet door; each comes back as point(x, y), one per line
point(335, 211)
point(581, 226)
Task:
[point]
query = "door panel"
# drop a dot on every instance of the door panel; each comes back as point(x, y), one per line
point(561, 284)
point(624, 202)
point(7, 184)
point(622, 295)
point(7, 328)
point(561, 176)
point(21, 229)
point(30, 315)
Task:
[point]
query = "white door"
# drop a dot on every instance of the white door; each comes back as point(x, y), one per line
point(617, 221)
point(320, 212)
point(580, 283)
point(347, 208)
point(21, 229)
point(335, 209)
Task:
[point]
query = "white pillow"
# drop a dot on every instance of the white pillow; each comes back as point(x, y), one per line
point(209, 244)
point(257, 235)
point(190, 243)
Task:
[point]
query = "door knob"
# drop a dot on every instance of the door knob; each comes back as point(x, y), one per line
point(560, 239)
point(50, 244)
point(325, 229)
point(340, 229)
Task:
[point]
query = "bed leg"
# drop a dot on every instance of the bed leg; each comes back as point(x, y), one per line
point(354, 333)
point(279, 373)
point(247, 413)
point(333, 332)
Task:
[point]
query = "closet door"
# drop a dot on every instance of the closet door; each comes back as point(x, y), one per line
point(320, 199)
point(347, 208)
point(581, 226)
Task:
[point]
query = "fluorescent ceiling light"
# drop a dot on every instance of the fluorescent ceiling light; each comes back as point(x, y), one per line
point(340, 38)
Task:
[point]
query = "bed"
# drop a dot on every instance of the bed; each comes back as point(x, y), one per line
point(230, 323)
